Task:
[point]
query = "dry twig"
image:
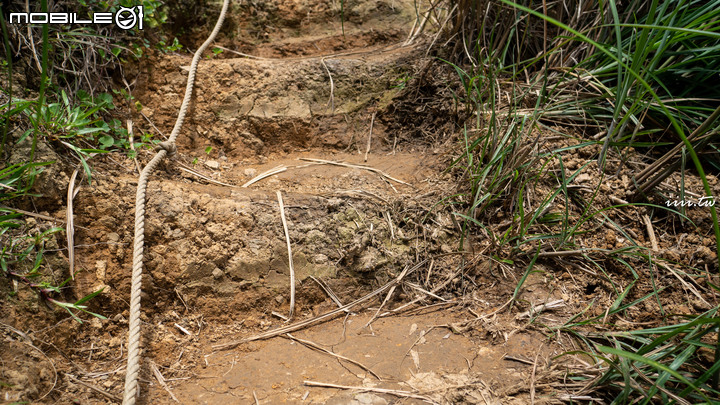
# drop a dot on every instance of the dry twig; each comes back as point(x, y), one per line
point(206, 178)
point(290, 259)
point(161, 380)
point(276, 170)
point(370, 169)
point(70, 227)
point(540, 308)
point(367, 150)
point(651, 233)
point(94, 388)
point(387, 297)
point(319, 318)
point(332, 87)
point(317, 347)
point(397, 393)
point(329, 292)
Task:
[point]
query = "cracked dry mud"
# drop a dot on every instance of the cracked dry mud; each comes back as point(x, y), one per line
point(216, 264)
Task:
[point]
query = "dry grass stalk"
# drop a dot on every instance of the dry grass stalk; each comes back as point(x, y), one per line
point(415, 32)
point(558, 253)
point(315, 346)
point(183, 330)
point(387, 297)
point(276, 170)
point(420, 337)
point(370, 169)
point(161, 381)
point(397, 393)
point(386, 48)
point(206, 178)
point(32, 40)
point(279, 315)
point(290, 259)
point(425, 292)
point(390, 225)
point(33, 214)
point(153, 125)
point(329, 292)
point(687, 286)
point(434, 291)
point(95, 388)
point(540, 308)
point(360, 194)
point(651, 233)
point(642, 375)
point(332, 87)
point(518, 359)
point(319, 318)
point(367, 150)
point(533, 377)
point(70, 227)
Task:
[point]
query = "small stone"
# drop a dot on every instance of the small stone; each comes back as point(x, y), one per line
point(113, 237)
point(101, 287)
point(212, 164)
point(96, 323)
point(320, 259)
point(583, 178)
point(217, 273)
point(345, 233)
point(100, 270)
point(250, 172)
point(315, 236)
point(280, 299)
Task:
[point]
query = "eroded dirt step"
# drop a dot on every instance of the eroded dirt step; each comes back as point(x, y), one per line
point(281, 28)
point(246, 108)
point(208, 242)
point(407, 353)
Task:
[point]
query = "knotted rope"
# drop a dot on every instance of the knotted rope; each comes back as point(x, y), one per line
point(164, 148)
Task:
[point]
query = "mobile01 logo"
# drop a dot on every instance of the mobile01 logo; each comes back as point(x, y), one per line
point(126, 18)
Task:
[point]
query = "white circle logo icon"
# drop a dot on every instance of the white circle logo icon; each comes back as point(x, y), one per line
point(126, 18)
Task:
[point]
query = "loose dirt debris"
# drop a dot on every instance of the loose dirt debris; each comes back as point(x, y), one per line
point(216, 268)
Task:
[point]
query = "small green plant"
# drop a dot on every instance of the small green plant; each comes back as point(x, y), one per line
point(402, 81)
point(636, 74)
point(22, 257)
point(174, 46)
point(215, 52)
point(77, 126)
point(63, 117)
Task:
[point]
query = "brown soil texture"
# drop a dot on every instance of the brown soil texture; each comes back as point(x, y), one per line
point(216, 266)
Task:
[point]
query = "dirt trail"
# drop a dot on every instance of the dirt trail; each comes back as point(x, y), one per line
point(216, 266)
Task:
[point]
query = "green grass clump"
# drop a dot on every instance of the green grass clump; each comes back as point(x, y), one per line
point(64, 107)
point(637, 75)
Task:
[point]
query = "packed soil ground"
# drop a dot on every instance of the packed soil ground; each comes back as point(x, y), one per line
point(360, 160)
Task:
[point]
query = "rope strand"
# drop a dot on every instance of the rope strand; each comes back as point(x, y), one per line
point(133, 363)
